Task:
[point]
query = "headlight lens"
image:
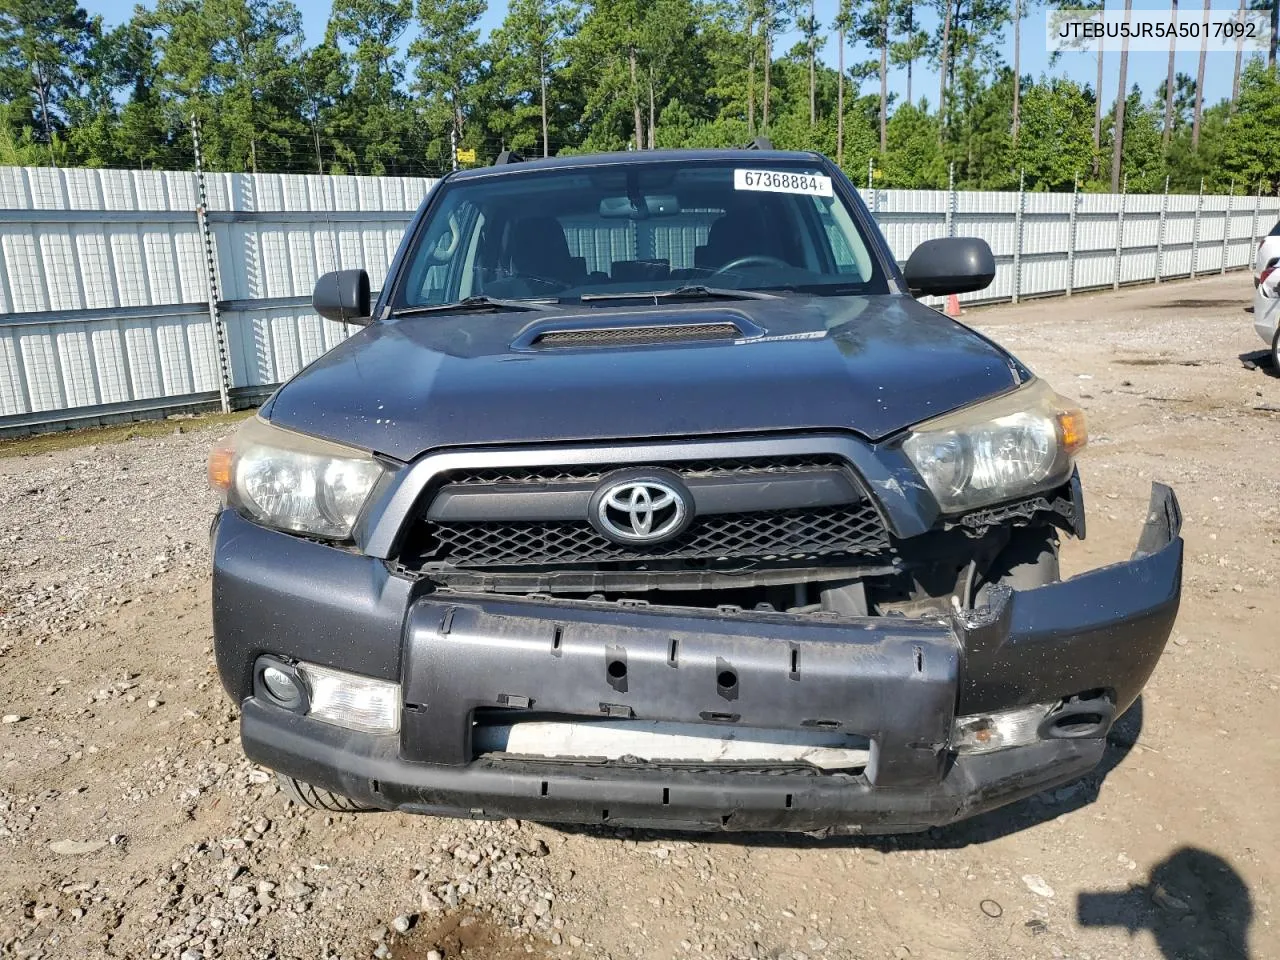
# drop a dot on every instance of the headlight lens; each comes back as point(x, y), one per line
point(294, 482)
point(1014, 445)
point(352, 701)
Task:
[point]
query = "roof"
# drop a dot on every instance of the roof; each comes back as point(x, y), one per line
point(634, 157)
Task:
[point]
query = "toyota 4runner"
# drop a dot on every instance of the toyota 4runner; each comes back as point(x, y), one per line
point(648, 494)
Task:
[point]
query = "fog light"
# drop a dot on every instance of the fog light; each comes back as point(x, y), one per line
point(988, 732)
point(352, 701)
point(282, 687)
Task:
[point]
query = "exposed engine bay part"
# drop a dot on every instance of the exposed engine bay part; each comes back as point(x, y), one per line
point(945, 571)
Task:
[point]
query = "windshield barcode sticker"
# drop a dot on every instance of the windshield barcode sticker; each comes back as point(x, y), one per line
point(778, 181)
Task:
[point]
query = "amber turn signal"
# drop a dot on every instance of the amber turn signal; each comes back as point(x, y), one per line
point(220, 459)
point(1072, 431)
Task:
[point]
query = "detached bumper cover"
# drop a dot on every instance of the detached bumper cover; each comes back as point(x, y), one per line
point(898, 682)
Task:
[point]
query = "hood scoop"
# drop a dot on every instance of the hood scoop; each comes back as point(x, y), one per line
point(633, 331)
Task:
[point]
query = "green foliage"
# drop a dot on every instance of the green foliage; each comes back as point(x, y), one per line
point(527, 54)
point(449, 61)
point(1251, 144)
point(1055, 145)
point(394, 85)
point(914, 159)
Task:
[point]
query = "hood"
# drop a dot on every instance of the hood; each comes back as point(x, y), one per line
point(872, 365)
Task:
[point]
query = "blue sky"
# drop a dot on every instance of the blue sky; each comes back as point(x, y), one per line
point(1145, 69)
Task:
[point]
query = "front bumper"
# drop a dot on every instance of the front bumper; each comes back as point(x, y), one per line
point(898, 682)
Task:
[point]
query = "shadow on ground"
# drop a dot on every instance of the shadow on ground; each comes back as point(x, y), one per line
point(1194, 304)
point(1195, 905)
point(1259, 360)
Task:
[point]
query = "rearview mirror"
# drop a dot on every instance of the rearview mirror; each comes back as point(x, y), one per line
point(950, 265)
point(655, 205)
point(343, 296)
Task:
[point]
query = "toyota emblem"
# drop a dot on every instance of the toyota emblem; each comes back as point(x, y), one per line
point(641, 508)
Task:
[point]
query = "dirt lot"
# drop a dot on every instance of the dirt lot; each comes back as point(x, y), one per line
point(130, 825)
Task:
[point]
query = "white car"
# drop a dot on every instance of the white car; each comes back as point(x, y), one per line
point(1266, 306)
point(1268, 252)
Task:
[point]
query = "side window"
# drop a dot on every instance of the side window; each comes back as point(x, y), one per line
point(446, 266)
point(845, 261)
point(841, 235)
point(469, 281)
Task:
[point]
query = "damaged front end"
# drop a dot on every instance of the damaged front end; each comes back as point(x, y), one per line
point(580, 706)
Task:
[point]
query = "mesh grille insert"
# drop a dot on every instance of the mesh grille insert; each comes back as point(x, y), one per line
point(625, 336)
point(780, 534)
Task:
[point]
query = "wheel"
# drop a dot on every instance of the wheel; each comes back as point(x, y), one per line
point(1275, 351)
point(305, 795)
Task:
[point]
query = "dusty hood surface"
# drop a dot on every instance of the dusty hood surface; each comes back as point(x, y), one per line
point(873, 365)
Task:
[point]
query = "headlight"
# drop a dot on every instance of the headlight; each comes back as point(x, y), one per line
point(1012, 446)
point(293, 482)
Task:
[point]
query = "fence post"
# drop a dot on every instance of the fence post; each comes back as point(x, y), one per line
point(1071, 236)
point(1017, 234)
point(871, 166)
point(1195, 232)
point(215, 315)
point(951, 199)
point(1226, 226)
point(1164, 209)
point(1253, 237)
point(1124, 194)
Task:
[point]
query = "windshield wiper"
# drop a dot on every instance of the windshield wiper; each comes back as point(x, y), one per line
point(476, 304)
point(694, 291)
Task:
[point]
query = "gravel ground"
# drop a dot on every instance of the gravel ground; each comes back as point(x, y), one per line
point(132, 826)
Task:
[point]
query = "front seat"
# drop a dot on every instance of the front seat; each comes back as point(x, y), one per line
point(741, 232)
point(536, 248)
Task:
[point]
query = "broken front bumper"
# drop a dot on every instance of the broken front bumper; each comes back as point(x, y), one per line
point(898, 682)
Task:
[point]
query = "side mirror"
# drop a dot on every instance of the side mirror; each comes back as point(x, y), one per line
point(343, 296)
point(950, 265)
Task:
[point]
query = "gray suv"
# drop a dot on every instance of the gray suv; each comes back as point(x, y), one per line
point(648, 494)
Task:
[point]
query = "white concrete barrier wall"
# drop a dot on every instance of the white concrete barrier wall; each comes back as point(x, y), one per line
point(104, 278)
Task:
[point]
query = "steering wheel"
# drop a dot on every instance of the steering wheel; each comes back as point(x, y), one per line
point(752, 260)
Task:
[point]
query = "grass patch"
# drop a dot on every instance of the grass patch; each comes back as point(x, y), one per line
point(116, 433)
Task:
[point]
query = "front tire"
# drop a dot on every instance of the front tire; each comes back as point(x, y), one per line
point(1275, 352)
point(316, 798)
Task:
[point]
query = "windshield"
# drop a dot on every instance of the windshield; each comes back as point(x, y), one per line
point(592, 233)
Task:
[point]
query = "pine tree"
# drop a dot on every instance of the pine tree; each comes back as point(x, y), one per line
point(43, 46)
point(843, 25)
point(1117, 135)
point(1251, 141)
point(914, 42)
point(527, 51)
point(1199, 108)
point(235, 65)
point(1018, 10)
point(806, 23)
point(873, 29)
point(371, 122)
point(448, 59)
point(1168, 87)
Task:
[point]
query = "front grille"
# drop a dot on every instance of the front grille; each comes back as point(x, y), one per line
point(802, 534)
point(685, 468)
point(633, 336)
